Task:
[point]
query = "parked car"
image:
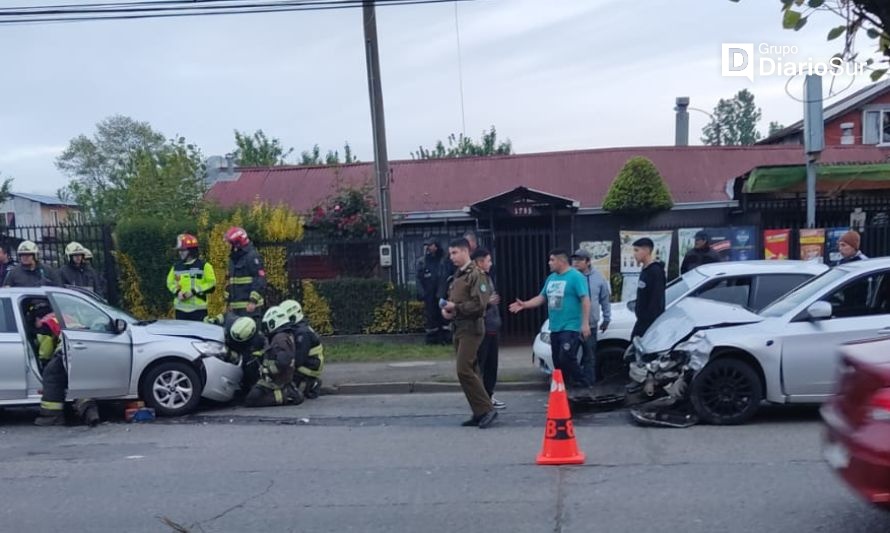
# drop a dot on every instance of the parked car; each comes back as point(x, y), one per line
point(786, 353)
point(857, 418)
point(170, 364)
point(754, 284)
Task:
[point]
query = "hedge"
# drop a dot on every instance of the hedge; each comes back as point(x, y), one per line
point(352, 306)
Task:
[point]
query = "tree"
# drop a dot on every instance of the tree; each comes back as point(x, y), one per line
point(460, 146)
point(734, 122)
point(313, 157)
point(166, 184)
point(638, 188)
point(774, 128)
point(869, 16)
point(5, 188)
point(257, 150)
point(350, 213)
point(99, 167)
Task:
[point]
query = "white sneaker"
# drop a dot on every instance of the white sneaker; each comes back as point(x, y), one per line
point(497, 404)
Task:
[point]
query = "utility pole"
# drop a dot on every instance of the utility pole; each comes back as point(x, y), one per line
point(381, 163)
point(813, 138)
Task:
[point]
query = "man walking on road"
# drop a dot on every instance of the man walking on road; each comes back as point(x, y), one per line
point(467, 299)
point(568, 306)
point(600, 294)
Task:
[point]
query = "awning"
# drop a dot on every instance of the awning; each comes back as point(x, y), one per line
point(828, 177)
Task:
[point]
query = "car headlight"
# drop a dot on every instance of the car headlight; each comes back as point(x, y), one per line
point(213, 348)
point(545, 337)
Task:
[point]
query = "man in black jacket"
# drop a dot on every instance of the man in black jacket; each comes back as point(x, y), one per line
point(650, 287)
point(429, 280)
point(31, 272)
point(6, 262)
point(701, 254)
point(77, 272)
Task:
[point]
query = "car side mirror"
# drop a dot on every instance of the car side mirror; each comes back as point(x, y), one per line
point(120, 325)
point(819, 311)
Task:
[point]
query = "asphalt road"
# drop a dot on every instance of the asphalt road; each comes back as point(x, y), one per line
point(402, 463)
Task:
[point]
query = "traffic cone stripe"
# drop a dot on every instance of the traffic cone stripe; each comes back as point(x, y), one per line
point(557, 387)
point(560, 429)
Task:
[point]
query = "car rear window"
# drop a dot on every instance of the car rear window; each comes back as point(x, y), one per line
point(770, 287)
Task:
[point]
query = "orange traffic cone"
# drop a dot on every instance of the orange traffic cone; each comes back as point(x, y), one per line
point(560, 447)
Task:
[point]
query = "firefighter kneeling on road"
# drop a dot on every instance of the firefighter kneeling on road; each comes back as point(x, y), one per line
point(244, 344)
point(55, 376)
point(275, 386)
point(310, 352)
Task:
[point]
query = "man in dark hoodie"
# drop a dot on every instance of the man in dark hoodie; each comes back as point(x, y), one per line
point(429, 282)
point(650, 288)
point(701, 254)
point(6, 262)
point(77, 272)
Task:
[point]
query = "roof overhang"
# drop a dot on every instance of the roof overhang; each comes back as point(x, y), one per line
point(792, 178)
point(523, 198)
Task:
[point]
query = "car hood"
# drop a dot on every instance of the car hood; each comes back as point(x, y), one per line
point(185, 328)
point(688, 316)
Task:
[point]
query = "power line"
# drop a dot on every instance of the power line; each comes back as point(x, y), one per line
point(176, 8)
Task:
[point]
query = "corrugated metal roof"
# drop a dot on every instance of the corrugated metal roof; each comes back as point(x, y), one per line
point(693, 174)
point(44, 199)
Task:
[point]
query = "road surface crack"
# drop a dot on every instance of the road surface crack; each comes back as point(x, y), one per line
point(179, 528)
point(560, 500)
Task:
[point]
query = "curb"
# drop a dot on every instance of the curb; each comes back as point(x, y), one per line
point(424, 387)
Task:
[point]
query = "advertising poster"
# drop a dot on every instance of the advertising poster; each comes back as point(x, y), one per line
point(736, 243)
point(661, 239)
point(685, 242)
point(833, 236)
point(812, 244)
point(777, 244)
point(601, 256)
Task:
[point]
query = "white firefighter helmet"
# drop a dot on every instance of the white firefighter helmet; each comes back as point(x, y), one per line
point(293, 310)
point(243, 329)
point(28, 247)
point(75, 248)
point(274, 319)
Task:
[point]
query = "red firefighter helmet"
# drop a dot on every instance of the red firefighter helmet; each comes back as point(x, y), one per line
point(186, 241)
point(237, 237)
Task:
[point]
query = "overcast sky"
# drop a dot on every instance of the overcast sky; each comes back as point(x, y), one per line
point(551, 75)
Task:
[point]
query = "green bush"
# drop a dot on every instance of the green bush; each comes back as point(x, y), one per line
point(149, 242)
point(353, 302)
point(638, 188)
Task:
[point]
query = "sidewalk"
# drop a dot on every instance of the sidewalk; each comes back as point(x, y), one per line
point(515, 372)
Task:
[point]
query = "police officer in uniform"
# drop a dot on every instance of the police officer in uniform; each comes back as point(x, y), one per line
point(275, 386)
point(247, 276)
point(468, 297)
point(190, 280)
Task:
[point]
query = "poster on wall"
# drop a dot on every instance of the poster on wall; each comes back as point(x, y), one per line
point(832, 238)
point(601, 256)
point(735, 243)
point(777, 244)
point(661, 239)
point(812, 244)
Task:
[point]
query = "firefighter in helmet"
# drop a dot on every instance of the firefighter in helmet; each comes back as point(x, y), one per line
point(30, 272)
point(77, 271)
point(275, 386)
point(244, 343)
point(246, 283)
point(310, 352)
point(190, 280)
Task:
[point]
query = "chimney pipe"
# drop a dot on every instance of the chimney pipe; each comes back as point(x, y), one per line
point(230, 165)
point(681, 128)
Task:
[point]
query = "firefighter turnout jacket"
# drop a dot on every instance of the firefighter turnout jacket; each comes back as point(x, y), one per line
point(247, 279)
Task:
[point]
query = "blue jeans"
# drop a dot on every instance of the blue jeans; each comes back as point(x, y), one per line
point(588, 356)
point(564, 351)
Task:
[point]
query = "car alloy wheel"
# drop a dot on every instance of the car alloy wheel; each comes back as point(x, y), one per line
point(173, 389)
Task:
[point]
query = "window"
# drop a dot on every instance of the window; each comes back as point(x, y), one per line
point(7, 317)
point(798, 296)
point(868, 295)
point(81, 315)
point(680, 286)
point(10, 219)
point(769, 287)
point(876, 126)
point(729, 290)
point(54, 216)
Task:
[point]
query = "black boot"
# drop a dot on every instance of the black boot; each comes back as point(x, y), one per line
point(50, 418)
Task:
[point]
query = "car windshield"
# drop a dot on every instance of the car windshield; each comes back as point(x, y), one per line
point(116, 313)
point(680, 286)
point(803, 293)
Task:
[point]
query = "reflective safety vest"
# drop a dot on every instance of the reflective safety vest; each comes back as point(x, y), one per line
point(195, 276)
point(48, 335)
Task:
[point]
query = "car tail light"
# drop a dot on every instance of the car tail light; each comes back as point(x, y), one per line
point(879, 406)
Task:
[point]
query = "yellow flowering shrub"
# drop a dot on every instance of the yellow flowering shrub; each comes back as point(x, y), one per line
point(316, 309)
point(131, 294)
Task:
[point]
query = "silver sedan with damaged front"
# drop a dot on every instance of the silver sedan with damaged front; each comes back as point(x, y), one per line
point(786, 353)
point(170, 364)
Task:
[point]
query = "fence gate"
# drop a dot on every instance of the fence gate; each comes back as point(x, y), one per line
point(520, 265)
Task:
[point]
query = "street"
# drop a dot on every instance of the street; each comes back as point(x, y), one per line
point(403, 463)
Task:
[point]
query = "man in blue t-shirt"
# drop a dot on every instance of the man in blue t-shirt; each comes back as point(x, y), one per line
point(568, 306)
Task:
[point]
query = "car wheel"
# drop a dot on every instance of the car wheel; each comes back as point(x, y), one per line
point(726, 392)
point(610, 363)
point(172, 388)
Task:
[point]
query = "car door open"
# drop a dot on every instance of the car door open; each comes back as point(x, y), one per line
point(98, 349)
